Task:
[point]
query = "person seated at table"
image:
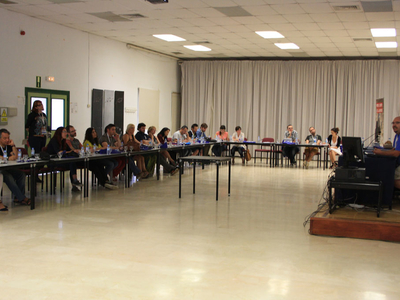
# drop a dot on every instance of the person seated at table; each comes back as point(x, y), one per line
point(163, 138)
point(99, 167)
point(221, 135)
point(182, 136)
point(193, 132)
point(92, 140)
point(131, 142)
point(58, 144)
point(334, 142)
point(2, 206)
point(313, 139)
point(13, 178)
point(167, 168)
point(201, 134)
point(394, 152)
point(238, 136)
point(290, 151)
point(111, 138)
point(193, 135)
point(143, 138)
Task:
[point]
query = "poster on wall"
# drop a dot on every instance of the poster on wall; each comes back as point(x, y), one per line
point(379, 117)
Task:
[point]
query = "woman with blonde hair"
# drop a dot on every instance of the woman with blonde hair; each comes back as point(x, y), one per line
point(130, 141)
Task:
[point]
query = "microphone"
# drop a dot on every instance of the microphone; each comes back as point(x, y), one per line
point(368, 139)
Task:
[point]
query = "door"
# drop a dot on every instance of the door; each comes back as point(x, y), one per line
point(55, 104)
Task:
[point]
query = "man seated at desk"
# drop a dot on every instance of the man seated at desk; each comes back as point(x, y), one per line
point(313, 139)
point(394, 152)
point(13, 178)
point(290, 151)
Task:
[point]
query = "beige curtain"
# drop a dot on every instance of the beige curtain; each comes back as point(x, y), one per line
point(263, 97)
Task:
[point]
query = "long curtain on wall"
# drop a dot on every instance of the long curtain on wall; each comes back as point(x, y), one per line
point(263, 97)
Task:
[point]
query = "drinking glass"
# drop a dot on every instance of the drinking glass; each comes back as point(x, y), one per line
point(125, 149)
point(25, 158)
point(37, 156)
point(59, 155)
point(130, 148)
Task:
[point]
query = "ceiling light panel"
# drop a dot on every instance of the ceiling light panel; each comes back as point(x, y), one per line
point(197, 48)
point(270, 34)
point(286, 46)
point(169, 37)
point(383, 32)
point(386, 44)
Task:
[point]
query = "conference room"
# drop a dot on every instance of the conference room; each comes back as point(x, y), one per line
point(93, 63)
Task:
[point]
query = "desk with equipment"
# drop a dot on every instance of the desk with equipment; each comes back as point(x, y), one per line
point(360, 179)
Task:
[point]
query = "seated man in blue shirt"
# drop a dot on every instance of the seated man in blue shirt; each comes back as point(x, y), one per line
point(201, 134)
point(395, 152)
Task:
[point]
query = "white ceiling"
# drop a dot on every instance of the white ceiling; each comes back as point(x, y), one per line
point(314, 25)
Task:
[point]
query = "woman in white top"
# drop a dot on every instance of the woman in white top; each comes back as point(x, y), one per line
point(334, 142)
point(238, 136)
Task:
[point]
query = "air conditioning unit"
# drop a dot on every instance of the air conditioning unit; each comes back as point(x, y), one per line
point(157, 1)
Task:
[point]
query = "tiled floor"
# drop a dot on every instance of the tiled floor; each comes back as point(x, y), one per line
point(145, 243)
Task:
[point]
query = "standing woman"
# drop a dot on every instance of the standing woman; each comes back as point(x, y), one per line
point(334, 142)
point(37, 127)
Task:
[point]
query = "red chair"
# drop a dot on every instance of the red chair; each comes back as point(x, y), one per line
point(268, 151)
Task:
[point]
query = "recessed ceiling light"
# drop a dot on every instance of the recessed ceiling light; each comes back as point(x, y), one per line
point(169, 37)
point(270, 34)
point(386, 44)
point(197, 48)
point(383, 32)
point(287, 46)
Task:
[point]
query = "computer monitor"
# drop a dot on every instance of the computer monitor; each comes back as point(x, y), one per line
point(352, 150)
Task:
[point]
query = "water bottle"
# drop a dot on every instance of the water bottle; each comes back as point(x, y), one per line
point(82, 154)
point(94, 148)
point(108, 150)
point(32, 152)
point(315, 141)
point(87, 149)
point(19, 154)
point(326, 141)
point(141, 144)
point(5, 156)
point(259, 140)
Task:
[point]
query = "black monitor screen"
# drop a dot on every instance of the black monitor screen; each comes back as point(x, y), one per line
point(352, 150)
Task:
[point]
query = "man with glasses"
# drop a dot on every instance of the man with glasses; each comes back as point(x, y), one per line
point(14, 178)
point(395, 151)
point(72, 141)
point(313, 139)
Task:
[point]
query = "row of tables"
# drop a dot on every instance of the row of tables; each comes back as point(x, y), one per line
point(52, 163)
point(276, 147)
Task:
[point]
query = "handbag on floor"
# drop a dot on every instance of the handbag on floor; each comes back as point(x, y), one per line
point(247, 155)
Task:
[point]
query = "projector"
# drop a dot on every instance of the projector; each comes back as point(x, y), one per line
point(157, 1)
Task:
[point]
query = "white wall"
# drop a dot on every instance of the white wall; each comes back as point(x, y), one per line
point(79, 62)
